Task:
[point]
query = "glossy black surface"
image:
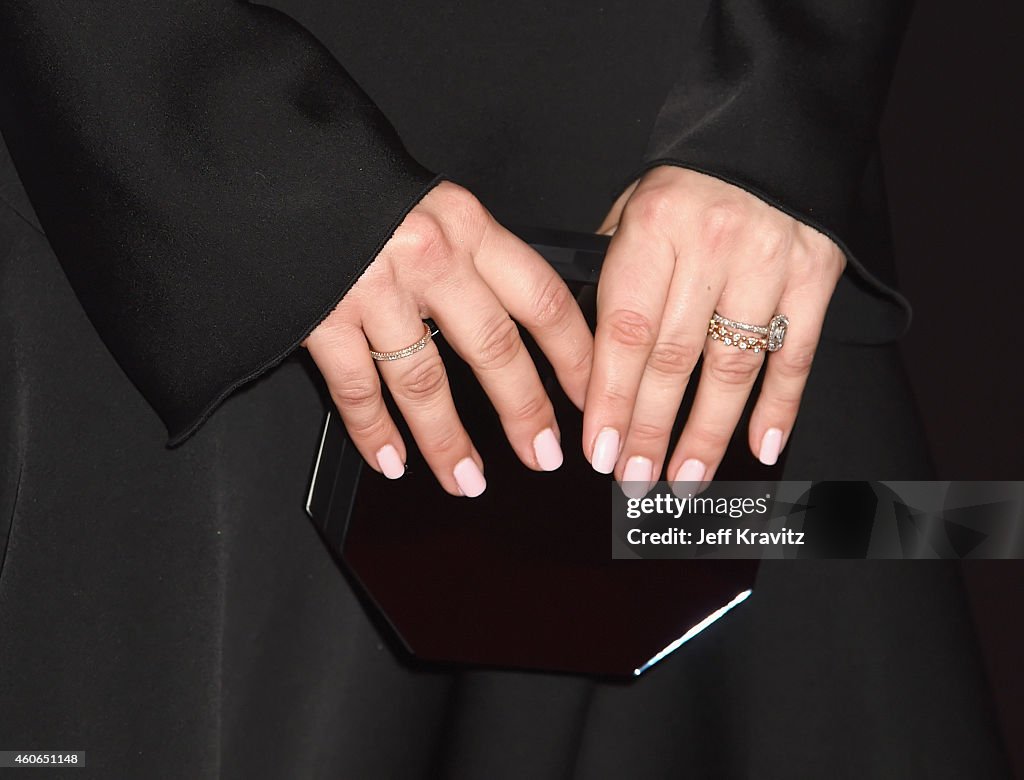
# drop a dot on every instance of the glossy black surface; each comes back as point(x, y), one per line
point(522, 576)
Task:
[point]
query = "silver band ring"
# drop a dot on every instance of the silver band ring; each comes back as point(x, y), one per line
point(412, 349)
point(716, 317)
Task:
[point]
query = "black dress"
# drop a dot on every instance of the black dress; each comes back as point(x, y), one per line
point(211, 182)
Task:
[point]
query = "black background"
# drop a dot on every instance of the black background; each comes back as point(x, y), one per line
point(950, 137)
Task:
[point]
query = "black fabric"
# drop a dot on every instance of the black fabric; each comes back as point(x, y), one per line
point(172, 611)
point(131, 122)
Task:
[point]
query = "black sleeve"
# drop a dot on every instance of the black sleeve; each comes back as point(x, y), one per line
point(784, 99)
point(210, 178)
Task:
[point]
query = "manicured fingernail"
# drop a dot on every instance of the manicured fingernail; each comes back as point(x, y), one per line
point(692, 470)
point(636, 477)
point(771, 446)
point(606, 451)
point(545, 447)
point(390, 462)
point(469, 478)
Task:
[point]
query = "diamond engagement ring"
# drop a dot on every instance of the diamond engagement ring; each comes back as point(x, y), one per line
point(405, 351)
point(769, 337)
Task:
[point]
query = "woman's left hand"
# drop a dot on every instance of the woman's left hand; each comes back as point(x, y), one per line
point(687, 245)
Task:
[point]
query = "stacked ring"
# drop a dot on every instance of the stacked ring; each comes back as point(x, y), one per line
point(769, 337)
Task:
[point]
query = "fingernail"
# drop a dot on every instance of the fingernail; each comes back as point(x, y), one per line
point(692, 470)
point(390, 462)
point(545, 447)
point(771, 446)
point(636, 478)
point(606, 451)
point(469, 478)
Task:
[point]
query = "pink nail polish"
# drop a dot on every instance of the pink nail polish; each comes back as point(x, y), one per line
point(636, 477)
point(771, 446)
point(469, 478)
point(547, 450)
point(390, 462)
point(692, 470)
point(606, 451)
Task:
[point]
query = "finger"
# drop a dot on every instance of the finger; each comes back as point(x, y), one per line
point(343, 357)
point(786, 374)
point(537, 297)
point(480, 330)
point(631, 298)
point(670, 364)
point(726, 380)
point(419, 385)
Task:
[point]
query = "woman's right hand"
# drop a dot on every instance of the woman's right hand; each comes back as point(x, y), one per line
point(451, 261)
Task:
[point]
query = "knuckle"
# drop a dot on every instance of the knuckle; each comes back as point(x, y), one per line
point(464, 213)
point(458, 199)
point(647, 433)
point(772, 239)
point(445, 442)
point(673, 359)
point(499, 343)
point(785, 400)
point(425, 379)
point(797, 362)
point(581, 361)
point(615, 397)
point(631, 329)
point(709, 438)
point(652, 207)
point(737, 369)
point(371, 428)
point(422, 238)
point(553, 304)
point(807, 270)
point(354, 392)
point(822, 257)
point(529, 408)
point(721, 221)
point(820, 244)
point(469, 211)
